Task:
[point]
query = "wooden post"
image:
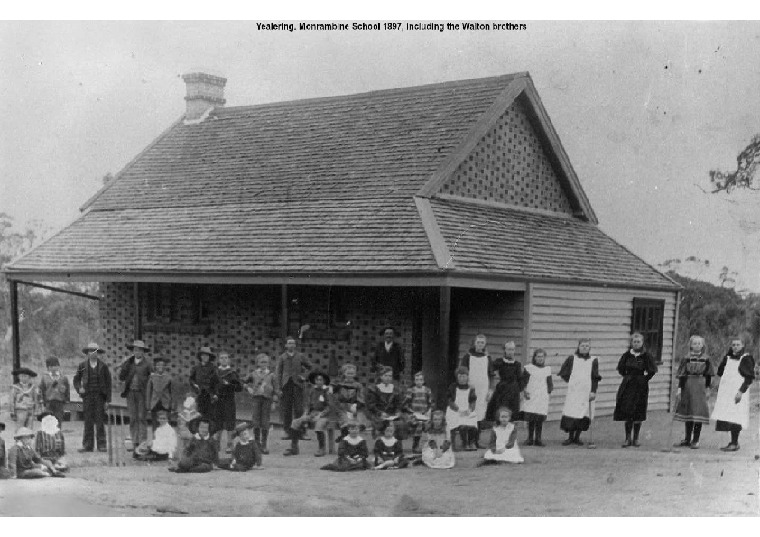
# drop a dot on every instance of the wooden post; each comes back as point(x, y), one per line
point(444, 323)
point(15, 343)
point(283, 314)
point(673, 382)
point(527, 316)
point(138, 318)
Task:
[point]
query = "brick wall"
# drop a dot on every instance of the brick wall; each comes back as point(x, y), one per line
point(244, 320)
point(509, 166)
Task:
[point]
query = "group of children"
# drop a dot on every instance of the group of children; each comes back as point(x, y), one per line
point(503, 392)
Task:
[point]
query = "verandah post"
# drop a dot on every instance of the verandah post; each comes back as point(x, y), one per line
point(15, 343)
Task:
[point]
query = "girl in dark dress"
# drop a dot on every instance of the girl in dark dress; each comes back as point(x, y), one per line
point(204, 381)
point(694, 375)
point(637, 368)
point(385, 402)
point(512, 381)
point(389, 454)
point(352, 452)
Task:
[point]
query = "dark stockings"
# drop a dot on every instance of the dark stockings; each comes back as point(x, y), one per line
point(735, 436)
point(636, 430)
point(531, 430)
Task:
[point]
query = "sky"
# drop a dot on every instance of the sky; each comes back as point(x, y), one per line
point(644, 109)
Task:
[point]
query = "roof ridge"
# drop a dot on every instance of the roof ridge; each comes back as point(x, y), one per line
point(387, 91)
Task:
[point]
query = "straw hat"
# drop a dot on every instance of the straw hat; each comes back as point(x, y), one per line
point(23, 432)
point(138, 344)
point(208, 352)
point(92, 347)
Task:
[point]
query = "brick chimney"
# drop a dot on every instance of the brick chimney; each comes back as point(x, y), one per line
point(204, 91)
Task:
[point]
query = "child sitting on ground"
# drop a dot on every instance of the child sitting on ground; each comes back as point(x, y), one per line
point(503, 444)
point(24, 398)
point(460, 415)
point(389, 455)
point(418, 405)
point(187, 420)
point(24, 462)
point(317, 414)
point(352, 452)
point(4, 474)
point(348, 400)
point(164, 443)
point(49, 442)
point(437, 452)
point(260, 385)
point(246, 454)
point(202, 452)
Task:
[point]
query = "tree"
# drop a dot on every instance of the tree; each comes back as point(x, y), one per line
point(745, 176)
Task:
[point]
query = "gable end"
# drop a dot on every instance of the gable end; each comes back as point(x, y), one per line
point(510, 165)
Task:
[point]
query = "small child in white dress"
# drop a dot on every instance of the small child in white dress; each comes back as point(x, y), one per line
point(503, 445)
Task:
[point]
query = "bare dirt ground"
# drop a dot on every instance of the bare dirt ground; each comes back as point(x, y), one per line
point(554, 481)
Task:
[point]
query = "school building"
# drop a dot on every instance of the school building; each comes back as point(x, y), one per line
point(444, 210)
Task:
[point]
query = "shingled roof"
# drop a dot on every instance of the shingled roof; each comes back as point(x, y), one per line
point(326, 186)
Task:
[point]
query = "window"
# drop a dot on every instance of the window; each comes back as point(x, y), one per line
point(177, 304)
point(647, 319)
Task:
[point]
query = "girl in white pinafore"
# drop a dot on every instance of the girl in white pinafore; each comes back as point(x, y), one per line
point(536, 405)
point(503, 444)
point(460, 414)
point(731, 412)
point(581, 372)
point(478, 363)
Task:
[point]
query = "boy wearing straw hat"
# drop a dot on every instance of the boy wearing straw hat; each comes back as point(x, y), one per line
point(54, 389)
point(135, 372)
point(93, 383)
point(24, 462)
point(24, 398)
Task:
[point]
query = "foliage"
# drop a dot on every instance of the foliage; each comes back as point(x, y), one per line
point(717, 314)
point(746, 170)
point(51, 323)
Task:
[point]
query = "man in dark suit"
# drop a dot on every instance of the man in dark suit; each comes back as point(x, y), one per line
point(389, 353)
point(93, 383)
point(289, 374)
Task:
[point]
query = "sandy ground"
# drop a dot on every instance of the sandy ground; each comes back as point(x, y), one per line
point(554, 481)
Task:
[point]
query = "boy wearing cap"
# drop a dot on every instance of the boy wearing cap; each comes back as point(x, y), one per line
point(24, 398)
point(93, 383)
point(54, 389)
point(24, 462)
point(317, 413)
point(135, 372)
point(159, 393)
point(246, 453)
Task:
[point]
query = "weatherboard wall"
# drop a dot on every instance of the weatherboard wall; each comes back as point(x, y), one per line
point(561, 314)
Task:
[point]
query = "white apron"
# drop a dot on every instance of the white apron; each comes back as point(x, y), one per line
point(539, 393)
point(725, 407)
point(454, 419)
point(578, 390)
point(502, 437)
point(479, 380)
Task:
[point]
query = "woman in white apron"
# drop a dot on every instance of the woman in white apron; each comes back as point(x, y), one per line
point(581, 372)
point(731, 412)
point(479, 364)
point(460, 414)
